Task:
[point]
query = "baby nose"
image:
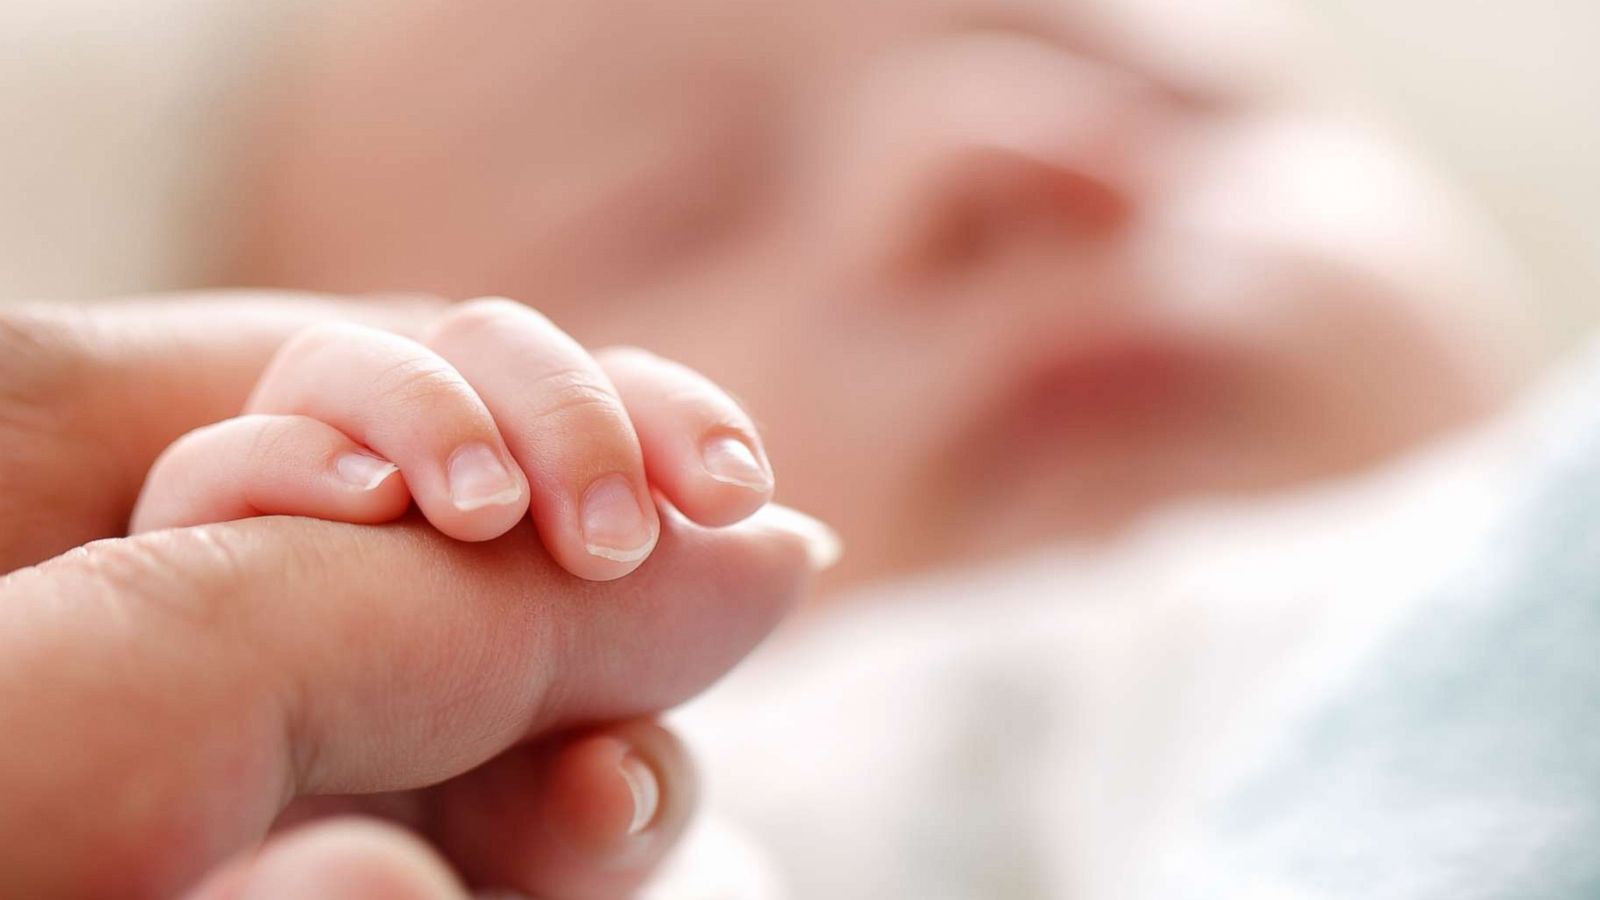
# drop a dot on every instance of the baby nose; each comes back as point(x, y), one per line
point(975, 143)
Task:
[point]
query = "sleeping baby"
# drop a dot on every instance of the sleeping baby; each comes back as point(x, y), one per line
point(988, 273)
point(992, 275)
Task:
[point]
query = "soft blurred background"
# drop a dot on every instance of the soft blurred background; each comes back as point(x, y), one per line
point(1504, 97)
point(120, 120)
point(111, 112)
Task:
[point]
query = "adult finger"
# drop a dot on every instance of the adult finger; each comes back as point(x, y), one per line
point(586, 817)
point(578, 814)
point(184, 684)
point(346, 859)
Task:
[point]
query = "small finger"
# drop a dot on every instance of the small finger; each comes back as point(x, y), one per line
point(567, 428)
point(411, 407)
point(581, 817)
point(268, 465)
point(700, 447)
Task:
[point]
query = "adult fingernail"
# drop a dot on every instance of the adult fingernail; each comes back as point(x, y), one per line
point(822, 543)
point(644, 787)
point(478, 479)
point(731, 461)
point(614, 525)
point(364, 471)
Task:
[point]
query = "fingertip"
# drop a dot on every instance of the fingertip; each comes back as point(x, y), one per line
point(620, 526)
point(775, 538)
point(410, 405)
point(269, 465)
point(602, 796)
point(731, 459)
point(363, 472)
point(611, 529)
point(370, 489)
point(474, 529)
point(724, 480)
point(484, 495)
point(652, 782)
point(820, 545)
point(618, 793)
point(349, 859)
point(596, 812)
point(700, 447)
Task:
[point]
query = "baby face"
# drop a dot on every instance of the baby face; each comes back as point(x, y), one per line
point(987, 272)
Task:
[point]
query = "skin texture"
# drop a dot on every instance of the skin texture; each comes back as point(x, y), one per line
point(492, 413)
point(964, 330)
point(988, 272)
point(176, 695)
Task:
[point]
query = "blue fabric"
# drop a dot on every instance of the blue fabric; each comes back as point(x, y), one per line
point(1462, 759)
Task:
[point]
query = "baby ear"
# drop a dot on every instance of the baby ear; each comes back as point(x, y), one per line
point(955, 153)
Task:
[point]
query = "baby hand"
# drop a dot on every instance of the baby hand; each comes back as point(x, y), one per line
point(493, 412)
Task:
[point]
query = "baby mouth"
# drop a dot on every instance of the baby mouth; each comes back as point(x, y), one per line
point(1116, 387)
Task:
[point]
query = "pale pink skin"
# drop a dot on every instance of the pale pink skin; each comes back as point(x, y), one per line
point(171, 692)
point(987, 273)
point(490, 414)
point(986, 276)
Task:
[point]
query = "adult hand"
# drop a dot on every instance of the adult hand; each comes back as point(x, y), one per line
point(165, 697)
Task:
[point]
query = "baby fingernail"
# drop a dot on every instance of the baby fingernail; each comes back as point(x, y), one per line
point(646, 790)
point(614, 526)
point(364, 471)
point(731, 461)
point(478, 479)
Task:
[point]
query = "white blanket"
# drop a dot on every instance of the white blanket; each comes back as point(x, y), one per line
point(1383, 689)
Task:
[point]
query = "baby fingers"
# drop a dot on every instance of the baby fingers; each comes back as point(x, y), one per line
point(268, 465)
point(700, 448)
point(411, 407)
point(494, 413)
point(566, 426)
